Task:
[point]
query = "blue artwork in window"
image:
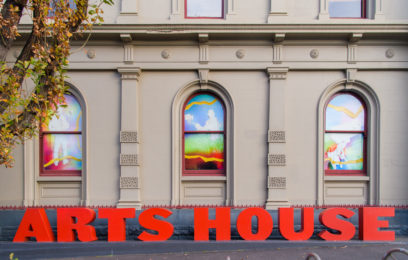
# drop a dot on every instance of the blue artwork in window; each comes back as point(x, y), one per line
point(204, 113)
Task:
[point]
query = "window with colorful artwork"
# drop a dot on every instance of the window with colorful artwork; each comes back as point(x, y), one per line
point(204, 135)
point(204, 8)
point(347, 8)
point(345, 135)
point(61, 140)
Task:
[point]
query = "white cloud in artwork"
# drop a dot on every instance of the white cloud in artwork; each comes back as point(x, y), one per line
point(189, 117)
point(211, 124)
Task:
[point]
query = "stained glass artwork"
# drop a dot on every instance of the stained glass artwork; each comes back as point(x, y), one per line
point(204, 8)
point(204, 151)
point(204, 113)
point(345, 113)
point(345, 8)
point(343, 151)
point(69, 117)
point(62, 151)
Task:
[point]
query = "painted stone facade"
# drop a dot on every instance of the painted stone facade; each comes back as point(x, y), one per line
point(273, 64)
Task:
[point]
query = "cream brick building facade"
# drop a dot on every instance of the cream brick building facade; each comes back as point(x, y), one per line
point(275, 64)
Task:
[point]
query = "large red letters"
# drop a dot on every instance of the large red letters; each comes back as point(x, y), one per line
point(244, 224)
point(369, 223)
point(329, 219)
point(222, 224)
point(116, 222)
point(286, 224)
point(66, 224)
point(34, 224)
point(147, 220)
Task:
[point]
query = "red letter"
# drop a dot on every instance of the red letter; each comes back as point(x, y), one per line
point(66, 224)
point(369, 223)
point(244, 224)
point(221, 223)
point(330, 220)
point(286, 224)
point(34, 224)
point(116, 222)
point(163, 228)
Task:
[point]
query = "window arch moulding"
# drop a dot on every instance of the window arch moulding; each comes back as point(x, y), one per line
point(180, 177)
point(73, 180)
point(369, 174)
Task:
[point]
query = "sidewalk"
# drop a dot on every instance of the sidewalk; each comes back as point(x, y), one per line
point(182, 249)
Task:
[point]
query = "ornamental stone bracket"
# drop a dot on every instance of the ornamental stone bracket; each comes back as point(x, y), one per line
point(203, 76)
point(204, 48)
point(127, 48)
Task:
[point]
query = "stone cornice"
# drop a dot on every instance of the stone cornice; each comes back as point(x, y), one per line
point(365, 27)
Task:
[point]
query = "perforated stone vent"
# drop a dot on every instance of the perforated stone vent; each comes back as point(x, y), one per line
point(276, 137)
point(129, 160)
point(276, 159)
point(277, 182)
point(129, 182)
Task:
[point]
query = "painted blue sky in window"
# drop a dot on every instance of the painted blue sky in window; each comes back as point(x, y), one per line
point(345, 8)
point(204, 113)
point(345, 113)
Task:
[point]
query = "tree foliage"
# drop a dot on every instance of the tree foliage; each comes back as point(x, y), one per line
point(43, 59)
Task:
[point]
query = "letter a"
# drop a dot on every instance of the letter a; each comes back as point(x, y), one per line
point(34, 224)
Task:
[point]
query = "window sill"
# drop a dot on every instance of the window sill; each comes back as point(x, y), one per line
point(59, 178)
point(346, 178)
point(203, 178)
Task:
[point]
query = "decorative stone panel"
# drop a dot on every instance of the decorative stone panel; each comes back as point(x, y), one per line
point(129, 137)
point(129, 160)
point(276, 159)
point(129, 182)
point(276, 137)
point(277, 182)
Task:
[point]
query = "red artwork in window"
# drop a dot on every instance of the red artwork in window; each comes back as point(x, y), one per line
point(61, 141)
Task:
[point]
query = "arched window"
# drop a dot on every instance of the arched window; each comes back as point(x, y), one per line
point(345, 135)
point(204, 135)
point(61, 141)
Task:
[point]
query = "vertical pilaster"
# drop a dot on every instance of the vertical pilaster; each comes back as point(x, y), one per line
point(324, 10)
point(129, 10)
point(231, 9)
point(278, 10)
point(379, 12)
point(277, 176)
point(177, 9)
point(129, 139)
